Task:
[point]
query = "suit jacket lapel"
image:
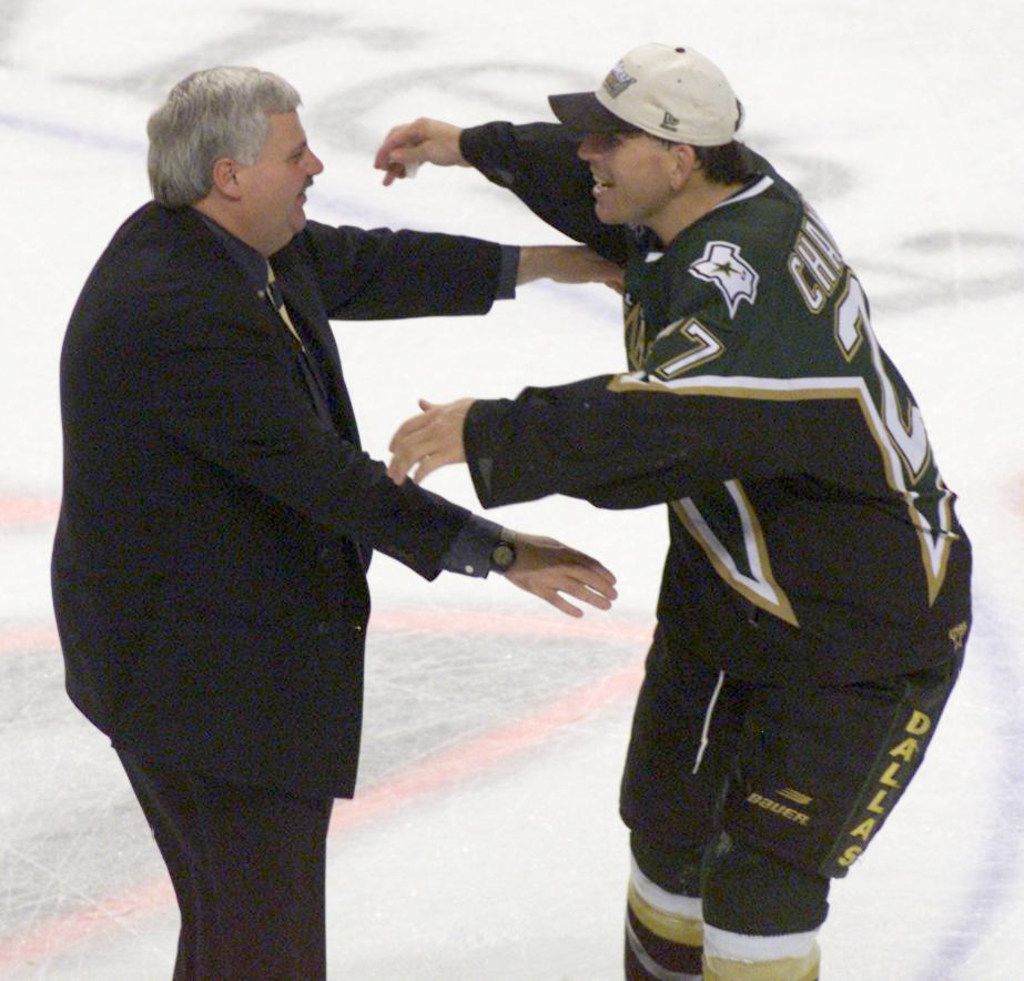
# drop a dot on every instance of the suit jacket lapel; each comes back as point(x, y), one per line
point(299, 291)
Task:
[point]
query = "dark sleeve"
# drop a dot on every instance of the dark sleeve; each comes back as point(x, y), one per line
point(470, 553)
point(538, 163)
point(225, 392)
point(384, 274)
point(627, 448)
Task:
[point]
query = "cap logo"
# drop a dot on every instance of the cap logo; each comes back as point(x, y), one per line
point(617, 81)
point(670, 122)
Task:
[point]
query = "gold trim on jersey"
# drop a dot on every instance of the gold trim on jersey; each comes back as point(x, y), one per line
point(936, 543)
point(761, 586)
point(636, 330)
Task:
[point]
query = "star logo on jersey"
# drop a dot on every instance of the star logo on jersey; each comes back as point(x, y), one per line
point(735, 278)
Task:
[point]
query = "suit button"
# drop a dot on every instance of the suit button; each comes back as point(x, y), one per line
point(323, 552)
point(322, 628)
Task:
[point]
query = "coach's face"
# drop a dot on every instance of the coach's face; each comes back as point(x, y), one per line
point(273, 188)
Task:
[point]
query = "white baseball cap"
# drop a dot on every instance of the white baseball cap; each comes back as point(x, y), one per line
point(672, 93)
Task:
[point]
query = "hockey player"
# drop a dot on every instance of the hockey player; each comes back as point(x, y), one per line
point(815, 599)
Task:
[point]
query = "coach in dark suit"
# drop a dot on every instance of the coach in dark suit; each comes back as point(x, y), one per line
point(218, 514)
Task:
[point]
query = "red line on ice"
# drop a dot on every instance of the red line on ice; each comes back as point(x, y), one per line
point(422, 778)
point(25, 512)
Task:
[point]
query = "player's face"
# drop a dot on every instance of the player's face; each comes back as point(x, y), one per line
point(274, 186)
point(632, 177)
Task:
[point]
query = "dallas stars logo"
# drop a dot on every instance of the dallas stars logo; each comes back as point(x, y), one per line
point(735, 278)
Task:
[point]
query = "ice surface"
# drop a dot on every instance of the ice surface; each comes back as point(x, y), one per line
point(484, 843)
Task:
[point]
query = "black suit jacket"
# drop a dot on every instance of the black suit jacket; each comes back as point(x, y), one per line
point(209, 563)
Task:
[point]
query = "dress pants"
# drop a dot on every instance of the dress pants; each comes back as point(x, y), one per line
point(248, 868)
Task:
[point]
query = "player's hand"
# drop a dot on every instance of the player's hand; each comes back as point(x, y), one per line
point(421, 141)
point(428, 441)
point(553, 571)
point(568, 264)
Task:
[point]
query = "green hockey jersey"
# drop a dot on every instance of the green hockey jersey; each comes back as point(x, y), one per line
point(812, 537)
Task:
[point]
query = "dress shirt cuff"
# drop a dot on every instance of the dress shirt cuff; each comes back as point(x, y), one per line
point(508, 272)
point(470, 553)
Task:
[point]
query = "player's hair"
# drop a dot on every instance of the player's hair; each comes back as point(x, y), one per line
point(218, 112)
point(725, 164)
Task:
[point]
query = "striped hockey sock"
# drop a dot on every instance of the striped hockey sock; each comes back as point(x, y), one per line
point(663, 933)
point(736, 957)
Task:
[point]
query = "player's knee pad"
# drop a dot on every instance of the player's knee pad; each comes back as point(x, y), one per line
point(761, 915)
point(673, 865)
point(664, 931)
point(752, 893)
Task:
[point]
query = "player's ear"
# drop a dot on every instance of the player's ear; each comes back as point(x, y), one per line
point(685, 163)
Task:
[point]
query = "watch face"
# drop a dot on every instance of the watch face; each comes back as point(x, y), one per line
point(503, 556)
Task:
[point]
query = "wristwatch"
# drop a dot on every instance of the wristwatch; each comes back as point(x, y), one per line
point(503, 556)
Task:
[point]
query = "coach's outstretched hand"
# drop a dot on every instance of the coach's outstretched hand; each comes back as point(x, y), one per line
point(548, 569)
point(568, 264)
point(543, 566)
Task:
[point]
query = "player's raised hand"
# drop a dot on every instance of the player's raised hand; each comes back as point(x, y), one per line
point(428, 441)
point(421, 141)
point(553, 571)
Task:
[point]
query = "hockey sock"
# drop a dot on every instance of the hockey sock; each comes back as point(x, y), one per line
point(736, 957)
point(663, 932)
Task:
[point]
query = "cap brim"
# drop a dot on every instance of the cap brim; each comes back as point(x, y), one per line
point(581, 111)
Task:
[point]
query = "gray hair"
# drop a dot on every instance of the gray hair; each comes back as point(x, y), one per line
point(219, 112)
